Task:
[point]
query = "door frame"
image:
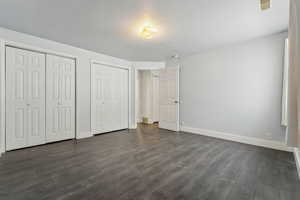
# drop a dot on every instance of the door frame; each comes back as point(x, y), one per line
point(2, 97)
point(19, 45)
point(129, 70)
point(143, 66)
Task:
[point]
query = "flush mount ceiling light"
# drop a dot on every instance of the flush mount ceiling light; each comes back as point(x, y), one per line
point(147, 31)
point(265, 4)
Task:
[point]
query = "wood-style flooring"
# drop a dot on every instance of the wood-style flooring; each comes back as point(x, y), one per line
point(148, 163)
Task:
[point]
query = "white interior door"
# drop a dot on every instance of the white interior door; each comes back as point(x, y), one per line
point(169, 98)
point(60, 100)
point(109, 101)
point(25, 98)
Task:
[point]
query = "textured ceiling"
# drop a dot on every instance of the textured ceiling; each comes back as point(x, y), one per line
point(109, 26)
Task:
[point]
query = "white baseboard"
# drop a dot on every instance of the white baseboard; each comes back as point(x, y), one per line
point(2, 150)
point(237, 138)
point(133, 126)
point(82, 135)
point(297, 159)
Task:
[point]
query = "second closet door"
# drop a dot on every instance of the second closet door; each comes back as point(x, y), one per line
point(60, 98)
point(109, 98)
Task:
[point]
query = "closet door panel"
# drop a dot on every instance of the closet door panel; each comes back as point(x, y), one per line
point(36, 99)
point(107, 115)
point(125, 99)
point(109, 98)
point(97, 100)
point(53, 84)
point(67, 100)
point(115, 100)
point(60, 98)
point(16, 98)
point(25, 98)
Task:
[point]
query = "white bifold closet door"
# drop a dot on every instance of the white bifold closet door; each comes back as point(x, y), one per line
point(25, 98)
point(60, 98)
point(109, 101)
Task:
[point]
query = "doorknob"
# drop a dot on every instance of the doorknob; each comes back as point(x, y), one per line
point(176, 101)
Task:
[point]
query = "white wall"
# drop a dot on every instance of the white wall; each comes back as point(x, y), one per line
point(84, 58)
point(235, 89)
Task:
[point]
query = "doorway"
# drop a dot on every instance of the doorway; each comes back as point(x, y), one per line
point(147, 96)
point(157, 97)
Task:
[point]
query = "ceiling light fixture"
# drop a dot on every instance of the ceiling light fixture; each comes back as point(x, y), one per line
point(148, 31)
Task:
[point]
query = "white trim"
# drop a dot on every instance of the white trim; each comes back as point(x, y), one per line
point(129, 69)
point(110, 64)
point(284, 114)
point(38, 49)
point(76, 97)
point(297, 159)
point(130, 94)
point(178, 96)
point(83, 135)
point(136, 98)
point(2, 96)
point(149, 65)
point(237, 138)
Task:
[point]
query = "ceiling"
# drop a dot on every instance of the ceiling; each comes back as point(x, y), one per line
point(110, 26)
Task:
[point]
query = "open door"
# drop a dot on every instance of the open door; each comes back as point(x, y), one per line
point(169, 98)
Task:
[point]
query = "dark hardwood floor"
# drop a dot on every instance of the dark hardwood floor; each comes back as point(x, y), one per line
point(148, 163)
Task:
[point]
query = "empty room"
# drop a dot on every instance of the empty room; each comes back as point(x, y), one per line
point(150, 100)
